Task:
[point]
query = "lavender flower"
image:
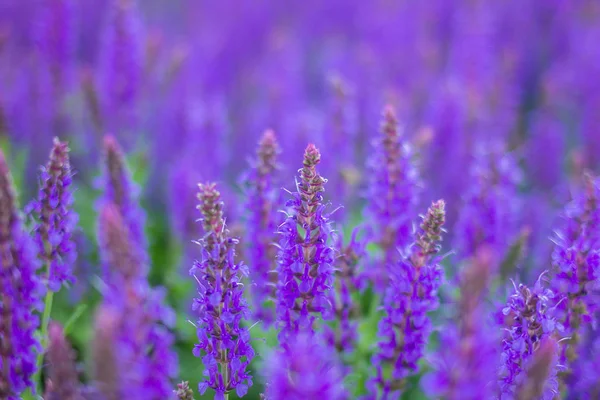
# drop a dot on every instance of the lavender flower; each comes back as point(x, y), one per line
point(184, 392)
point(488, 215)
point(464, 364)
point(55, 218)
point(119, 189)
point(220, 305)
point(529, 322)
point(263, 219)
point(541, 382)
point(345, 334)
point(64, 380)
point(20, 295)
point(306, 369)
point(121, 67)
point(55, 41)
point(392, 196)
point(404, 330)
point(143, 342)
point(576, 260)
point(305, 260)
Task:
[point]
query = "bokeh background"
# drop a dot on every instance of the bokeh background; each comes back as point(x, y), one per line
point(188, 86)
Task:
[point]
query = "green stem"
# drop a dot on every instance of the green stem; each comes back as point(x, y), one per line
point(44, 338)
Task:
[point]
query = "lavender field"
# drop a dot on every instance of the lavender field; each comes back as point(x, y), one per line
point(299, 200)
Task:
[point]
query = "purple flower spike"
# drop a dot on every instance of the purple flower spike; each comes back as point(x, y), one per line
point(224, 344)
point(576, 261)
point(119, 189)
point(64, 381)
point(20, 295)
point(392, 196)
point(305, 260)
point(464, 366)
point(143, 343)
point(412, 294)
point(540, 382)
point(528, 323)
point(121, 67)
point(306, 369)
point(490, 210)
point(263, 218)
point(55, 218)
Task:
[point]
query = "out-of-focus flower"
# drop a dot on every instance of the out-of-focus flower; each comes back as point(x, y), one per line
point(540, 381)
point(120, 71)
point(405, 328)
point(63, 383)
point(262, 197)
point(224, 344)
point(393, 194)
point(345, 335)
point(576, 260)
point(306, 369)
point(119, 189)
point(20, 295)
point(55, 218)
point(305, 270)
point(491, 206)
point(143, 342)
point(464, 366)
point(587, 368)
point(529, 318)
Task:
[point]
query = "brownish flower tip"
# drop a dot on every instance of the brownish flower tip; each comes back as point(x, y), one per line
point(62, 370)
point(106, 372)
point(475, 278)
point(59, 157)
point(390, 121)
point(116, 242)
point(268, 150)
point(211, 207)
point(539, 370)
point(115, 162)
point(7, 200)
point(312, 156)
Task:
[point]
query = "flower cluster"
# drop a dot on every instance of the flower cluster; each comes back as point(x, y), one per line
point(263, 220)
point(306, 369)
point(224, 343)
point(393, 194)
point(55, 218)
point(529, 318)
point(143, 338)
point(411, 295)
point(489, 214)
point(576, 260)
point(20, 296)
point(305, 259)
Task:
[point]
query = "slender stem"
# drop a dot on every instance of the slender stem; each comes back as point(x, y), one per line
point(44, 337)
